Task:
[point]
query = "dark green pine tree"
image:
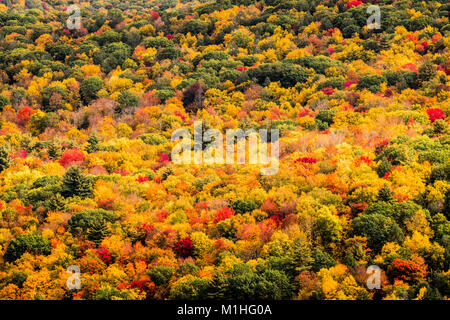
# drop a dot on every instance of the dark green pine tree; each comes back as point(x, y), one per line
point(384, 43)
point(56, 202)
point(447, 205)
point(76, 184)
point(98, 230)
point(384, 167)
point(54, 150)
point(93, 144)
point(4, 159)
point(385, 193)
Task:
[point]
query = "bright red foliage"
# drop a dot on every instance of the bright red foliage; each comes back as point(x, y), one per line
point(348, 84)
point(142, 179)
point(410, 66)
point(184, 247)
point(381, 146)
point(306, 160)
point(328, 91)
point(104, 255)
point(270, 207)
point(154, 15)
point(223, 214)
point(410, 270)
point(162, 215)
point(435, 113)
point(24, 114)
point(145, 227)
point(305, 112)
point(22, 154)
point(353, 4)
point(363, 159)
point(163, 158)
point(71, 156)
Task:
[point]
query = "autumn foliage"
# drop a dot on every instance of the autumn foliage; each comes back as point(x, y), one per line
point(88, 176)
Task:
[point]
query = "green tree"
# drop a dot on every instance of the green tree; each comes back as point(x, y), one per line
point(195, 26)
point(426, 72)
point(115, 17)
point(112, 55)
point(243, 206)
point(378, 229)
point(54, 150)
point(127, 99)
point(93, 144)
point(82, 221)
point(290, 257)
point(322, 260)
point(90, 87)
point(372, 83)
point(326, 116)
point(242, 283)
point(4, 159)
point(32, 243)
point(39, 122)
point(385, 193)
point(384, 167)
point(53, 98)
point(160, 275)
point(97, 231)
point(287, 73)
point(4, 101)
point(76, 184)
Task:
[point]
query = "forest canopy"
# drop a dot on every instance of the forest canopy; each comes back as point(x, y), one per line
point(87, 179)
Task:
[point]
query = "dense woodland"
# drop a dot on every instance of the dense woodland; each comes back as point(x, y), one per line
point(87, 179)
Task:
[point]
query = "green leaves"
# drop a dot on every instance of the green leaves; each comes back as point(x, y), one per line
point(4, 159)
point(90, 87)
point(92, 223)
point(287, 73)
point(32, 243)
point(372, 83)
point(97, 231)
point(76, 184)
point(378, 229)
point(127, 100)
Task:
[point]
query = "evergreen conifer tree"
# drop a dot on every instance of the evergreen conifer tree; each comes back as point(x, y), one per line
point(4, 159)
point(98, 231)
point(93, 144)
point(384, 167)
point(76, 184)
point(385, 193)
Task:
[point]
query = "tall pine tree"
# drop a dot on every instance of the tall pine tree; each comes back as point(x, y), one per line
point(76, 184)
point(4, 159)
point(384, 167)
point(385, 193)
point(54, 150)
point(98, 231)
point(93, 144)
